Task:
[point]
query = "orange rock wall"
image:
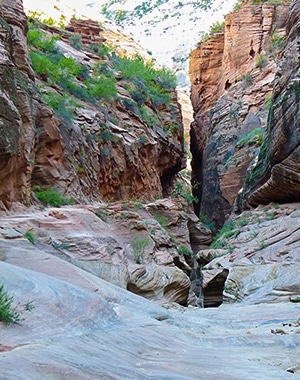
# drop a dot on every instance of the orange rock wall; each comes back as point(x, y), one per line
point(229, 95)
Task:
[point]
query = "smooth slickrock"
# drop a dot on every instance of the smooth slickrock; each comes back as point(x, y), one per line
point(85, 328)
point(128, 249)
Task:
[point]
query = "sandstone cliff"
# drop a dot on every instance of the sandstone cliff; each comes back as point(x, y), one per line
point(232, 77)
point(275, 176)
point(245, 143)
point(94, 149)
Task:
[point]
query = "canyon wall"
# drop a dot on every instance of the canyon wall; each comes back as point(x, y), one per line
point(106, 150)
point(232, 77)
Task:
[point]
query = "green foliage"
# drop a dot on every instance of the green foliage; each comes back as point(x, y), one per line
point(107, 135)
point(103, 50)
point(104, 88)
point(220, 240)
point(63, 105)
point(54, 68)
point(102, 214)
point(149, 83)
point(276, 42)
point(181, 190)
point(138, 248)
point(149, 119)
point(8, 314)
point(40, 41)
point(247, 80)
point(252, 137)
point(260, 61)
point(162, 220)
point(210, 224)
point(268, 102)
point(143, 140)
point(52, 197)
point(171, 128)
point(75, 41)
point(43, 66)
point(184, 251)
point(30, 235)
point(216, 27)
point(237, 5)
point(269, 2)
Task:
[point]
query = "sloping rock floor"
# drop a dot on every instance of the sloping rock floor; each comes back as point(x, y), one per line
point(83, 327)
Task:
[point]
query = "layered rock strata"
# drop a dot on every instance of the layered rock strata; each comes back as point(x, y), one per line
point(40, 148)
point(275, 176)
point(232, 77)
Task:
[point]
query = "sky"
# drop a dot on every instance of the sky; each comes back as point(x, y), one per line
point(166, 32)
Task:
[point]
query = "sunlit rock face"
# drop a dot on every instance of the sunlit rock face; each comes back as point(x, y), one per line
point(40, 148)
point(232, 77)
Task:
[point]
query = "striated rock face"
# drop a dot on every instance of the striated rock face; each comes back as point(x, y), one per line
point(132, 246)
point(261, 258)
point(232, 76)
point(104, 151)
point(276, 174)
point(16, 127)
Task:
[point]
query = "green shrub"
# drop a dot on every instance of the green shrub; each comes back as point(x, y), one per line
point(52, 197)
point(43, 66)
point(220, 240)
point(107, 135)
point(103, 88)
point(237, 5)
point(30, 235)
point(102, 214)
point(268, 102)
point(247, 80)
point(184, 251)
point(150, 83)
point(76, 41)
point(40, 41)
point(276, 41)
point(143, 140)
point(171, 128)
point(260, 61)
point(162, 220)
point(252, 137)
point(63, 105)
point(210, 224)
point(100, 49)
point(216, 27)
point(8, 314)
point(138, 247)
point(183, 191)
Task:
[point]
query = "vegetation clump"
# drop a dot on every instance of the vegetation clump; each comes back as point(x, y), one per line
point(146, 84)
point(138, 247)
point(216, 27)
point(8, 314)
point(30, 235)
point(227, 231)
point(52, 197)
point(252, 137)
